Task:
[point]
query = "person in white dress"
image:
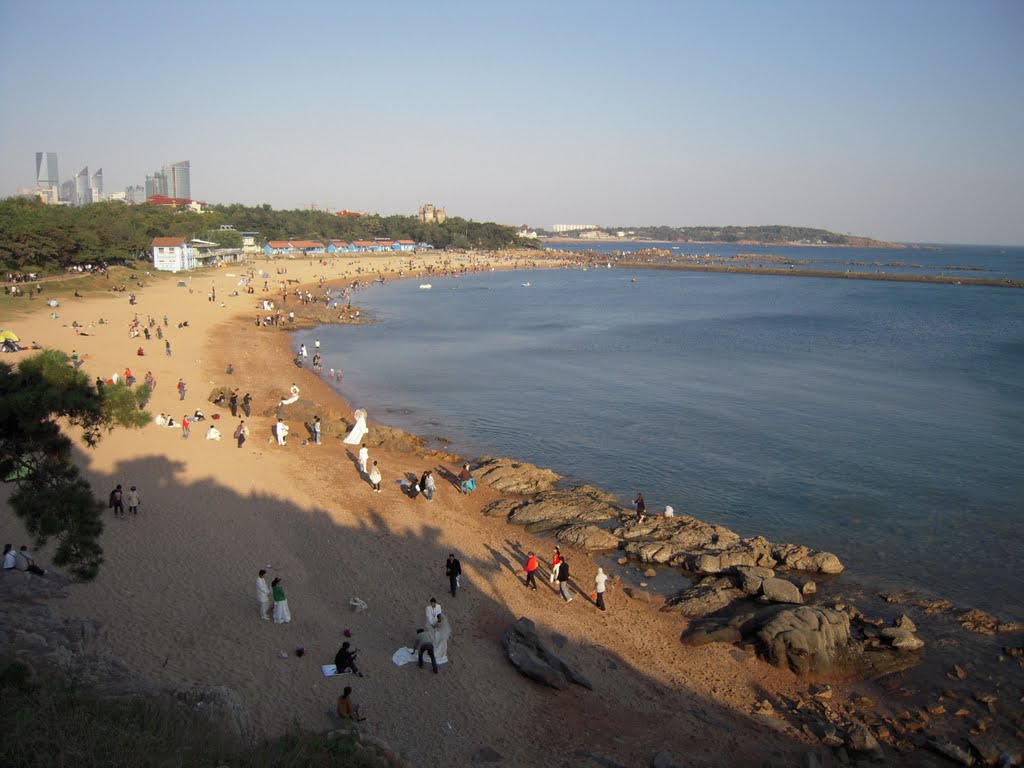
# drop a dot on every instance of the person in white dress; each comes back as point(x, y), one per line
point(282, 615)
point(359, 430)
point(294, 396)
point(439, 635)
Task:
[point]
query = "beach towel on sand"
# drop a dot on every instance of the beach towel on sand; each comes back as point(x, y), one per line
point(405, 656)
point(330, 670)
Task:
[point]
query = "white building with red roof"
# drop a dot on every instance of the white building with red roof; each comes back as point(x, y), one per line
point(172, 254)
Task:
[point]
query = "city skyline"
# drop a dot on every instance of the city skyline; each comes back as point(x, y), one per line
point(896, 121)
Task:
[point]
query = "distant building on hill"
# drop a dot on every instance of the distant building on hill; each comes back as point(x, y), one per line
point(429, 214)
point(348, 214)
point(573, 227)
point(525, 231)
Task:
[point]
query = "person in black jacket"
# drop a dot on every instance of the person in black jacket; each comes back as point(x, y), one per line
point(345, 659)
point(563, 580)
point(453, 569)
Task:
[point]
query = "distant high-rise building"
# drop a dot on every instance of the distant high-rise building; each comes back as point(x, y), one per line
point(82, 187)
point(135, 195)
point(431, 214)
point(96, 186)
point(156, 184)
point(179, 180)
point(67, 192)
point(46, 170)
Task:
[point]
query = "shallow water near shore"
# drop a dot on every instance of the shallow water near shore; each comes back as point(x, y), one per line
point(880, 421)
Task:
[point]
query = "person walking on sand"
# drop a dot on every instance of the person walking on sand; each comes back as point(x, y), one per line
point(563, 581)
point(167, 343)
point(599, 586)
point(117, 501)
point(427, 485)
point(282, 615)
point(641, 508)
point(375, 477)
point(532, 564)
point(247, 405)
point(453, 570)
point(181, 389)
point(364, 456)
point(241, 433)
point(185, 424)
point(424, 645)
point(281, 431)
point(346, 709)
point(554, 565)
point(263, 596)
point(132, 497)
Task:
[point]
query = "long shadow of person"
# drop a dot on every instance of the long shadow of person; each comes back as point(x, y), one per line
point(501, 560)
point(354, 459)
point(452, 477)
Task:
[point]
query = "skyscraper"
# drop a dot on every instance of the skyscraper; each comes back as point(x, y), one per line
point(46, 170)
point(96, 187)
point(156, 184)
point(178, 180)
point(82, 187)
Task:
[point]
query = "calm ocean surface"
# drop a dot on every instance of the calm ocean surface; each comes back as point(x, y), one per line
point(880, 421)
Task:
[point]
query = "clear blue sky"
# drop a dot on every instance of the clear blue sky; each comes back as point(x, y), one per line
point(895, 119)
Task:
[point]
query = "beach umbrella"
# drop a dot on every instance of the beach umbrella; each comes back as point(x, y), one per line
point(53, 303)
point(9, 336)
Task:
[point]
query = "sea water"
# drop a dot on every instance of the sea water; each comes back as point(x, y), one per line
point(880, 421)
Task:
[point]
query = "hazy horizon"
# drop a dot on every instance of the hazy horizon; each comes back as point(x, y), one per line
point(897, 121)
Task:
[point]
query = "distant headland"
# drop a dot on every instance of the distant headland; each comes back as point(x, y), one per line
point(773, 234)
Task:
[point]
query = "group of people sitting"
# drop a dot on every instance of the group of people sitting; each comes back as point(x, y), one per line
point(20, 560)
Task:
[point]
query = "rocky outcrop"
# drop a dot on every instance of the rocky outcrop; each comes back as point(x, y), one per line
point(514, 477)
point(588, 537)
point(534, 659)
point(706, 597)
point(808, 640)
point(554, 509)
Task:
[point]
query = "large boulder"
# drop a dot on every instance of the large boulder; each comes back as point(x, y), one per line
point(553, 509)
point(809, 640)
point(588, 537)
point(706, 597)
point(534, 659)
point(781, 591)
point(515, 477)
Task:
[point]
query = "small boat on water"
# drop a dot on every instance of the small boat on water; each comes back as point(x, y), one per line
point(525, 285)
point(426, 287)
point(633, 280)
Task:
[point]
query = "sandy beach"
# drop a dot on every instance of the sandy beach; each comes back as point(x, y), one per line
point(176, 594)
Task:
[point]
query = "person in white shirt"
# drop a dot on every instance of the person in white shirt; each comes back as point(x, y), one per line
point(669, 512)
point(161, 420)
point(9, 557)
point(24, 562)
point(599, 586)
point(364, 457)
point(281, 430)
point(132, 500)
point(263, 596)
point(433, 611)
point(213, 433)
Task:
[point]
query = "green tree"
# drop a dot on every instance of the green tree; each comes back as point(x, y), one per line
point(51, 497)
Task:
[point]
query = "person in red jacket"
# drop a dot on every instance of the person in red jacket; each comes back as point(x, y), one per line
point(531, 570)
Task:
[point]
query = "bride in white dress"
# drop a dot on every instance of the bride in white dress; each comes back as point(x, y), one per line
point(359, 430)
point(439, 635)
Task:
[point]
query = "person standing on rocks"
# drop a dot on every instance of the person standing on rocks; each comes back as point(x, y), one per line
point(375, 477)
point(641, 508)
point(532, 564)
point(364, 457)
point(263, 596)
point(599, 586)
point(453, 570)
point(563, 581)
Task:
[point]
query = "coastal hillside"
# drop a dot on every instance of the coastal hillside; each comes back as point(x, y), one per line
point(46, 238)
point(773, 234)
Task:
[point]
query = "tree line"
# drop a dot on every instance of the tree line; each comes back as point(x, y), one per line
point(49, 238)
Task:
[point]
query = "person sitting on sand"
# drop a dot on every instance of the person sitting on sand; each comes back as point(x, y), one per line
point(346, 709)
point(198, 416)
point(213, 433)
point(345, 659)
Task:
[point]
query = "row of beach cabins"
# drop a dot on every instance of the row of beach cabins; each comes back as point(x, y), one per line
point(304, 247)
